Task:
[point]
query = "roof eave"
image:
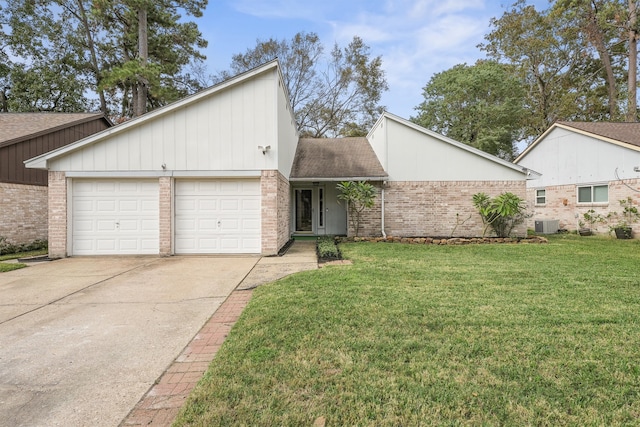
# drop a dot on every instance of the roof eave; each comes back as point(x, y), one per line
point(22, 138)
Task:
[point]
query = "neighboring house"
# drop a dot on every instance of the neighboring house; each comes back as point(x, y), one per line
point(23, 192)
point(224, 171)
point(584, 166)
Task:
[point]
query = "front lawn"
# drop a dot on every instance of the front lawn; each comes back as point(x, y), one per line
point(5, 266)
point(438, 335)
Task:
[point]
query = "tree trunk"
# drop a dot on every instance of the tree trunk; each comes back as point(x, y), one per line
point(633, 60)
point(94, 57)
point(597, 39)
point(140, 98)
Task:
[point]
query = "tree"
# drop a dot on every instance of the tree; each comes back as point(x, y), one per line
point(333, 96)
point(359, 196)
point(596, 22)
point(481, 105)
point(546, 54)
point(99, 41)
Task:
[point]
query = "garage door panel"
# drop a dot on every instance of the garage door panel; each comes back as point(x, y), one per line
point(114, 217)
point(217, 209)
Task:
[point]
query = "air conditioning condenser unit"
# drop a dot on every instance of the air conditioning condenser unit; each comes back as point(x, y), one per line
point(547, 226)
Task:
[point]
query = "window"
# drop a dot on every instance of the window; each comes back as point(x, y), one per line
point(541, 197)
point(593, 194)
point(320, 207)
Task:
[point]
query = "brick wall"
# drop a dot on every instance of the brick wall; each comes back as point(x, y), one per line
point(57, 214)
point(165, 216)
point(432, 208)
point(562, 204)
point(284, 211)
point(269, 198)
point(23, 212)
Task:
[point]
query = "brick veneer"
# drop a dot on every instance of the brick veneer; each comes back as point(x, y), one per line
point(57, 214)
point(430, 208)
point(23, 216)
point(165, 216)
point(284, 210)
point(562, 204)
point(275, 211)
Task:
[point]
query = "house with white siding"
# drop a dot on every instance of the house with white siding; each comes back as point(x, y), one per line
point(584, 166)
point(224, 171)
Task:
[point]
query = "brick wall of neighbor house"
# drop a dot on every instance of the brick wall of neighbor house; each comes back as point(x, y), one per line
point(429, 208)
point(57, 214)
point(562, 204)
point(23, 217)
point(284, 211)
point(269, 198)
point(165, 216)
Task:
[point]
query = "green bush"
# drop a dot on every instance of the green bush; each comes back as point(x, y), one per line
point(327, 248)
point(6, 247)
point(501, 213)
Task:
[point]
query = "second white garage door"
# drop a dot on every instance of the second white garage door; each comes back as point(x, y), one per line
point(217, 216)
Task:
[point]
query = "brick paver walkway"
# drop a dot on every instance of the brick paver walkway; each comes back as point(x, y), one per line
point(161, 404)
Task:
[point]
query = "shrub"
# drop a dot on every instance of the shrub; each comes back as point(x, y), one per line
point(501, 213)
point(327, 248)
point(6, 247)
point(359, 196)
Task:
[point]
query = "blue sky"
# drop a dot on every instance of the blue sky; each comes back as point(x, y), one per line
point(416, 38)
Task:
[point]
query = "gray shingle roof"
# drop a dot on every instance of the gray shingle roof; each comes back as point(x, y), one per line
point(623, 132)
point(336, 158)
point(20, 125)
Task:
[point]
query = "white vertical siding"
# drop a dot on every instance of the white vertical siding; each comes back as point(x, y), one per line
point(221, 131)
point(408, 154)
point(564, 157)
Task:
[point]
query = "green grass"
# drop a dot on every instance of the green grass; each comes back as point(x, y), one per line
point(4, 266)
point(438, 335)
point(23, 254)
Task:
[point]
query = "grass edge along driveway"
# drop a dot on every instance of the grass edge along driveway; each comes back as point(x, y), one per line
point(438, 335)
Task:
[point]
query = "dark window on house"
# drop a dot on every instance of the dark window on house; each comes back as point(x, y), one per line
point(593, 194)
point(541, 197)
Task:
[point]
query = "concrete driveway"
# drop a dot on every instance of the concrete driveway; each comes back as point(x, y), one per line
point(82, 339)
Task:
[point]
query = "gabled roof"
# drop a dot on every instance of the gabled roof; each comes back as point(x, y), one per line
point(336, 159)
point(529, 173)
point(625, 134)
point(17, 127)
point(41, 161)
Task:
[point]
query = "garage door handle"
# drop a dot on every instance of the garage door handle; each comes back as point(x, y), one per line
point(219, 224)
point(117, 224)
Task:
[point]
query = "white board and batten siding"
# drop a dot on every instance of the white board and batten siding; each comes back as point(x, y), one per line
point(421, 155)
point(217, 216)
point(219, 132)
point(114, 217)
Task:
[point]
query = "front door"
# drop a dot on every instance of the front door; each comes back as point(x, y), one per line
point(304, 210)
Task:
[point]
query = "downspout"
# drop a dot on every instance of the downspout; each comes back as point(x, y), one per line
point(382, 210)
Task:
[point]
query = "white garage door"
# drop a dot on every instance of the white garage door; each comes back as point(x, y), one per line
point(115, 217)
point(217, 216)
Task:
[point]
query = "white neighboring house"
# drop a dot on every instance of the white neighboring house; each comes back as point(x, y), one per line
point(584, 166)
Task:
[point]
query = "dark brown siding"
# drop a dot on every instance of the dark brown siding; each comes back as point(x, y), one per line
point(12, 157)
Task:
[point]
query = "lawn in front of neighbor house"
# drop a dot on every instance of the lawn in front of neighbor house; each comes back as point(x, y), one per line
point(438, 335)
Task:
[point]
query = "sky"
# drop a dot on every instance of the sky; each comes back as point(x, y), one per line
point(415, 38)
